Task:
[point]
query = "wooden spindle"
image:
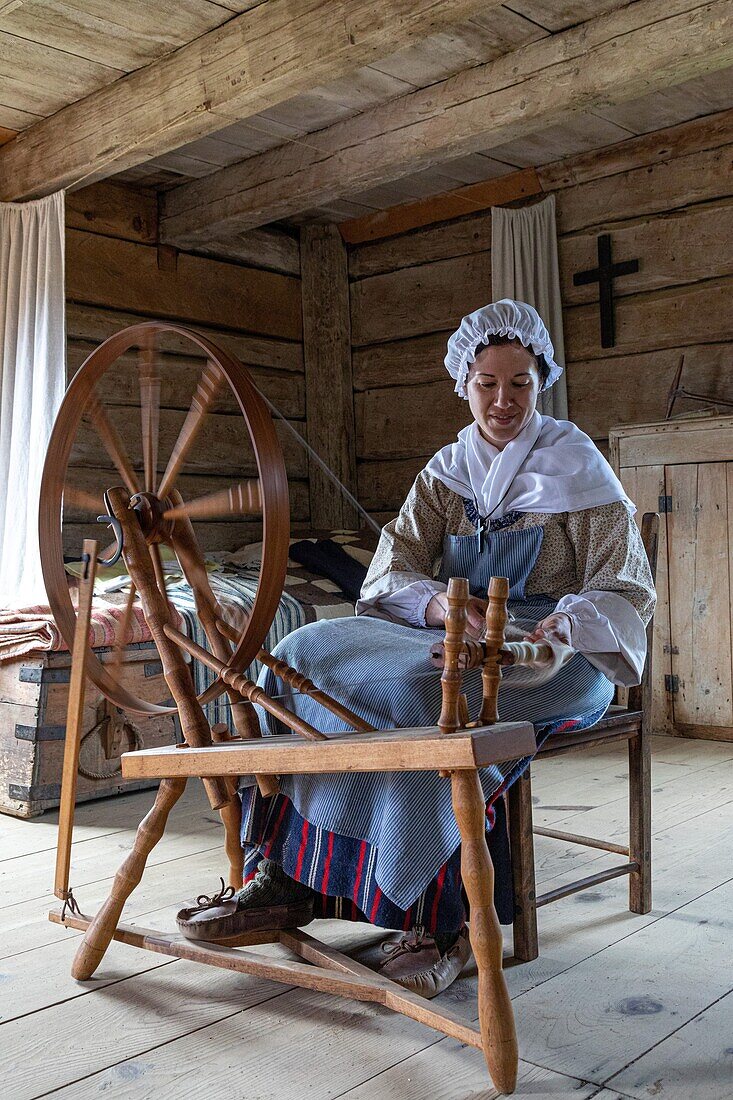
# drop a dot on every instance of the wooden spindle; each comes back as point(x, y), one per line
point(455, 626)
point(496, 620)
point(300, 683)
point(244, 686)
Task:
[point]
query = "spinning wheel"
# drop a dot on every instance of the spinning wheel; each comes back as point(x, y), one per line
point(151, 506)
point(148, 511)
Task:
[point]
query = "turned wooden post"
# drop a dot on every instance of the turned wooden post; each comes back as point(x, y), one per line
point(496, 619)
point(231, 816)
point(450, 680)
point(150, 830)
point(188, 552)
point(196, 729)
point(496, 1016)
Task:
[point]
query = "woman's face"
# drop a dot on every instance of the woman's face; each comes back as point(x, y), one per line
point(502, 386)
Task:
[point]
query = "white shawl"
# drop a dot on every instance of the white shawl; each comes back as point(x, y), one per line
point(550, 467)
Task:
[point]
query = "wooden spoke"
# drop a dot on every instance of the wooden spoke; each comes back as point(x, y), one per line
point(150, 412)
point(206, 391)
point(80, 498)
point(244, 499)
point(111, 439)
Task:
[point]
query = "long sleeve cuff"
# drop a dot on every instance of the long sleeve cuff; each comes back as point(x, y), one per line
point(407, 604)
point(608, 631)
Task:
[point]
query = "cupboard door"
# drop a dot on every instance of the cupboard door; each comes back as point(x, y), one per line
point(645, 485)
point(700, 597)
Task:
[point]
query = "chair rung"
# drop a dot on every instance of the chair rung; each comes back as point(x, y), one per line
point(583, 883)
point(586, 841)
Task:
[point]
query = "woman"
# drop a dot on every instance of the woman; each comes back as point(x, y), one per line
point(518, 495)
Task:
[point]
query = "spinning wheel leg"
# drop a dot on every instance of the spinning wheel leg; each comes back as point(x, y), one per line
point(496, 1016)
point(101, 930)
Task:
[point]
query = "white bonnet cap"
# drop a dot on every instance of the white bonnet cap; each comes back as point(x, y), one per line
point(506, 317)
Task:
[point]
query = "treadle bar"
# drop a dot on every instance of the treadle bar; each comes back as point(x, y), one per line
point(332, 972)
point(586, 841)
point(582, 883)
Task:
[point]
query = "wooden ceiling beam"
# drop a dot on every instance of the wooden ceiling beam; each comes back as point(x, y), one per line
point(649, 45)
point(251, 63)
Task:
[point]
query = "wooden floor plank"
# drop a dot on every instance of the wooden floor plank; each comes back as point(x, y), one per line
point(631, 995)
point(443, 1072)
point(696, 1061)
point(72, 1040)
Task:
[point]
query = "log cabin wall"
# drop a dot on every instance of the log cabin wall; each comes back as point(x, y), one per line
point(665, 198)
point(117, 275)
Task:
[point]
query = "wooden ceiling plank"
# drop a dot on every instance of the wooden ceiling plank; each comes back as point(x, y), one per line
point(526, 91)
point(558, 15)
point(15, 119)
point(124, 36)
point(41, 80)
point(249, 65)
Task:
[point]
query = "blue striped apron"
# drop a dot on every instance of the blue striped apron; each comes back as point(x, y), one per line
point(381, 670)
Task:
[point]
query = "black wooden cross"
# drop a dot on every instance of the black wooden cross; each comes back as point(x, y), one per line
point(604, 275)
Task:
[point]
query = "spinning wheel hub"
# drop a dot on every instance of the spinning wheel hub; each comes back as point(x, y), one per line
point(150, 511)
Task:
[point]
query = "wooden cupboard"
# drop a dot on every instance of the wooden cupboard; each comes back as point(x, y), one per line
point(684, 470)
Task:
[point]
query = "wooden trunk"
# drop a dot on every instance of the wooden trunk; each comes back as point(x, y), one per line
point(33, 701)
point(684, 470)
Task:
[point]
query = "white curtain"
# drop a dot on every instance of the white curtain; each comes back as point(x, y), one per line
point(32, 381)
point(524, 266)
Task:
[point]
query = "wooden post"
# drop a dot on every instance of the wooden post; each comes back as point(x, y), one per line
point(188, 552)
point(196, 729)
point(521, 839)
point(496, 618)
point(74, 719)
point(329, 390)
point(231, 816)
point(102, 929)
point(450, 680)
point(496, 1016)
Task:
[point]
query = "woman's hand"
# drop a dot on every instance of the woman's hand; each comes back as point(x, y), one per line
point(557, 627)
point(437, 610)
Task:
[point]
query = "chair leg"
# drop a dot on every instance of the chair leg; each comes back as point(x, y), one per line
point(521, 839)
point(496, 1016)
point(640, 821)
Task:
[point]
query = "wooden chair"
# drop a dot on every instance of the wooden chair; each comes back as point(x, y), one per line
point(629, 723)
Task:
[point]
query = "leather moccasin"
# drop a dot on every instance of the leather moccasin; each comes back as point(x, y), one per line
point(416, 963)
point(230, 918)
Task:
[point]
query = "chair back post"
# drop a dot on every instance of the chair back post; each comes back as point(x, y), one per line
point(640, 697)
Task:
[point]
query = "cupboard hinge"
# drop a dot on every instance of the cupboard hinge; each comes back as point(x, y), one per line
point(672, 684)
point(665, 504)
point(671, 649)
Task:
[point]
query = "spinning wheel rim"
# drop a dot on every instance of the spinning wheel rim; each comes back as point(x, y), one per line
point(273, 486)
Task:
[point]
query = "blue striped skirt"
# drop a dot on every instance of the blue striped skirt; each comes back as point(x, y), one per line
point(387, 842)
